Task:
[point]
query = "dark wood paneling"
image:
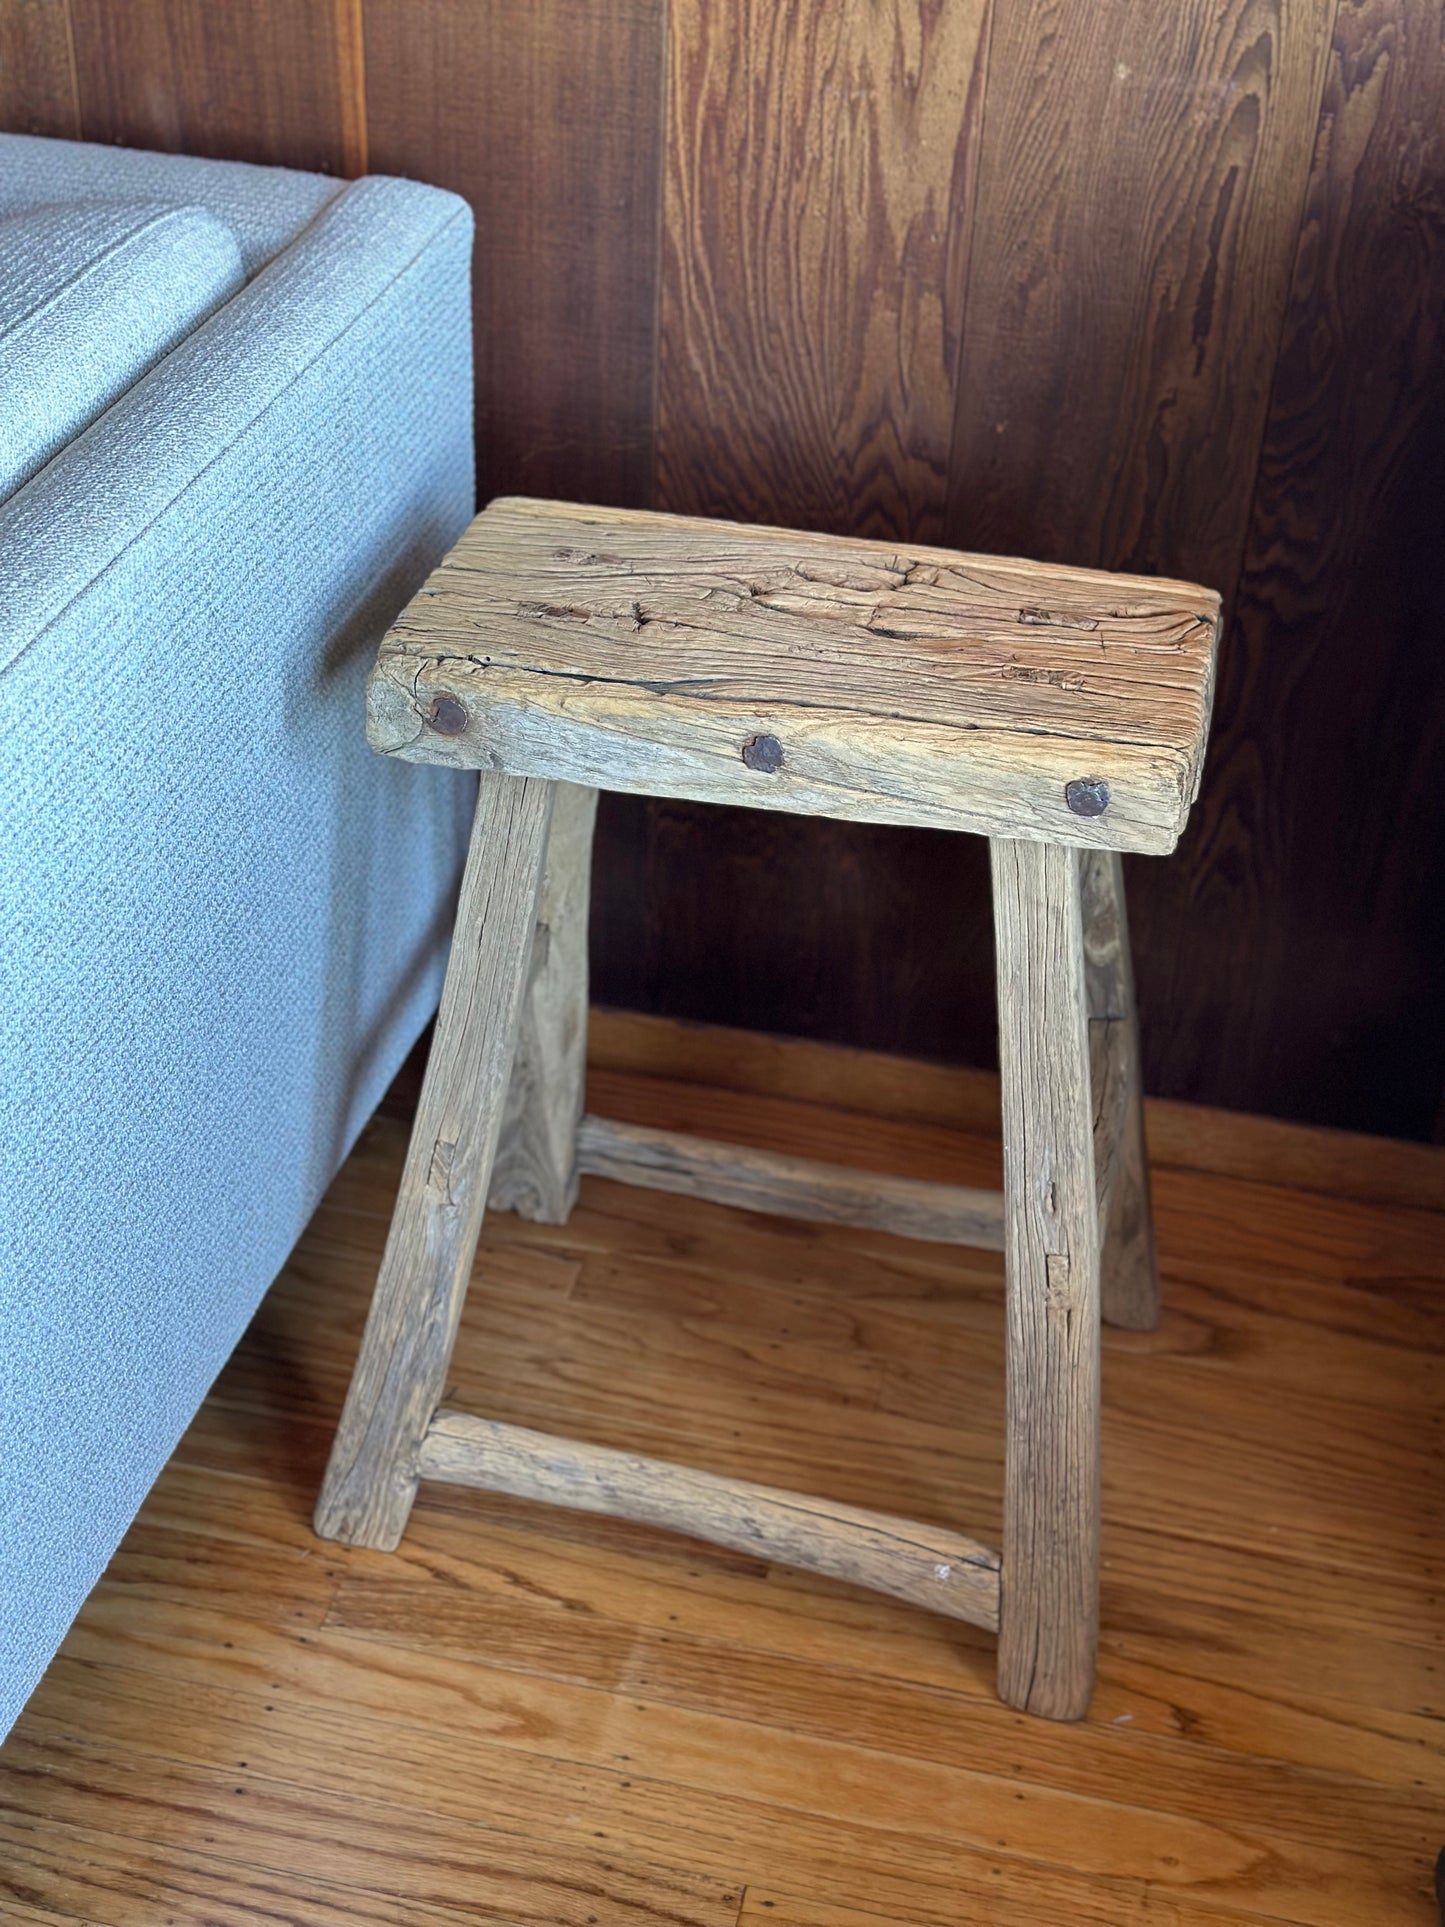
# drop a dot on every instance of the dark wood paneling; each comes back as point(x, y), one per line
point(1140, 184)
point(817, 928)
point(1152, 286)
point(37, 72)
point(548, 118)
point(549, 121)
point(817, 163)
point(267, 80)
point(1311, 891)
point(819, 179)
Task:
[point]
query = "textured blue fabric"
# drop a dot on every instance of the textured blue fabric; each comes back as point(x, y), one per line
point(264, 207)
point(91, 296)
point(224, 919)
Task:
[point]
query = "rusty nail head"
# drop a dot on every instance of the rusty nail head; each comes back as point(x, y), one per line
point(1087, 795)
point(447, 716)
point(763, 753)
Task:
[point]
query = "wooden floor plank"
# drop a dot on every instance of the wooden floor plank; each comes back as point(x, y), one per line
point(572, 1597)
point(762, 1909)
point(539, 1716)
point(624, 1046)
point(1236, 1851)
point(26, 1916)
point(411, 1854)
point(452, 1766)
point(1292, 1481)
point(125, 1882)
point(917, 1877)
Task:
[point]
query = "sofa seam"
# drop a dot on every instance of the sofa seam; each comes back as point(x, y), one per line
point(221, 453)
point(94, 266)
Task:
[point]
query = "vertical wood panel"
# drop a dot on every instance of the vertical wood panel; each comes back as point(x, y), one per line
point(37, 71)
point(1141, 177)
point(1141, 182)
point(1312, 887)
point(818, 159)
point(819, 175)
point(1091, 216)
point(880, 937)
point(351, 86)
point(271, 81)
point(548, 118)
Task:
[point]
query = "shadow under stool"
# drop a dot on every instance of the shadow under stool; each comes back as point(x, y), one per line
point(1060, 712)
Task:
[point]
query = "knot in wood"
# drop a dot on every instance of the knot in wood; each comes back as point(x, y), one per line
point(447, 716)
point(763, 753)
point(1087, 795)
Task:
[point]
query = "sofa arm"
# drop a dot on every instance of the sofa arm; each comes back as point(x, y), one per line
point(381, 249)
point(224, 918)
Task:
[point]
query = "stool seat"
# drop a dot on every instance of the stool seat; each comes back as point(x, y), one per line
point(670, 656)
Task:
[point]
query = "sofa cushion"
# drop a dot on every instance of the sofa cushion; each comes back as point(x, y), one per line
point(266, 208)
point(90, 298)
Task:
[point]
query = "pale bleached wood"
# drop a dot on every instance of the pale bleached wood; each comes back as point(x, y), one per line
point(1049, 1616)
point(770, 1181)
point(1129, 1266)
point(670, 656)
point(371, 1479)
point(536, 1169)
point(924, 1564)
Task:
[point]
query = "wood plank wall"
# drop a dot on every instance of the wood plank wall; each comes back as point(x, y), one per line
point(1157, 287)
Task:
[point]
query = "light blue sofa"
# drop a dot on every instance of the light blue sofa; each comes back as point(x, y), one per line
point(222, 919)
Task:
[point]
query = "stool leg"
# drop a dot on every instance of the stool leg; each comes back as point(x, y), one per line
point(1049, 1610)
point(536, 1169)
point(371, 1481)
point(1130, 1285)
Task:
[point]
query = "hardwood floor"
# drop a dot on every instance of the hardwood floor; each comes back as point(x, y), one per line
point(526, 1716)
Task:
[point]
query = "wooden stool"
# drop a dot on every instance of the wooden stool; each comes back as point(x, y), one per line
point(1060, 712)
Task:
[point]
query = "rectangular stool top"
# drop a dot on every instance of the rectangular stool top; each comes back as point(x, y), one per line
point(883, 682)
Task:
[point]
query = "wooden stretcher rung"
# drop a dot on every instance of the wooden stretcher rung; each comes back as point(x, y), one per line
point(791, 1187)
point(926, 1565)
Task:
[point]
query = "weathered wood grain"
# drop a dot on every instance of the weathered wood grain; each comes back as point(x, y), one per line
point(1049, 1607)
point(819, 167)
point(1130, 1267)
point(536, 1167)
point(772, 1182)
point(672, 656)
point(923, 1564)
point(372, 1476)
point(548, 119)
point(269, 81)
point(37, 69)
